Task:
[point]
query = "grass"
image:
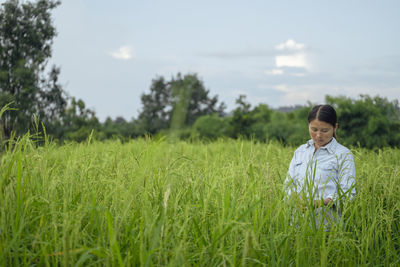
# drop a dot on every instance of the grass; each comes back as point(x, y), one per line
point(155, 203)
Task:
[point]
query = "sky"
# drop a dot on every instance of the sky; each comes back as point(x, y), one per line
point(280, 53)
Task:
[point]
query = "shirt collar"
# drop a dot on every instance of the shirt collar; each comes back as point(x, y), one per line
point(330, 147)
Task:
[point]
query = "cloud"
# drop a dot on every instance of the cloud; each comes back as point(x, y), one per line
point(123, 53)
point(290, 55)
point(299, 74)
point(290, 45)
point(250, 53)
point(274, 72)
point(295, 60)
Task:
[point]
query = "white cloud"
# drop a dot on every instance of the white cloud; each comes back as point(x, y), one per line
point(123, 53)
point(290, 45)
point(296, 60)
point(274, 72)
point(299, 74)
point(291, 55)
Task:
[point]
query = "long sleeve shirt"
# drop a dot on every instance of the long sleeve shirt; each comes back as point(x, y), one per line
point(327, 173)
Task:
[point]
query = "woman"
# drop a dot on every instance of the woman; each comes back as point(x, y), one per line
point(322, 171)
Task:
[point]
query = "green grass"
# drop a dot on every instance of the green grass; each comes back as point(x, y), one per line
point(155, 203)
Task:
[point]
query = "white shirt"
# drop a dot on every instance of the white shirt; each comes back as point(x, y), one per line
point(327, 173)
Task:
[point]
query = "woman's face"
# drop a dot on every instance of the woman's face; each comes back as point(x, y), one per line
point(321, 132)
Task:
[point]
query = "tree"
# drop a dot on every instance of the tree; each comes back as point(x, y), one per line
point(199, 103)
point(369, 121)
point(26, 37)
point(211, 126)
point(242, 119)
point(77, 122)
point(156, 107)
point(178, 103)
point(118, 128)
point(280, 128)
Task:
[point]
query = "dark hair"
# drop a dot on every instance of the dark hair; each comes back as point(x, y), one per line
point(325, 113)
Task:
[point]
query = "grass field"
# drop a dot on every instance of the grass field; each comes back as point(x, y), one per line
point(155, 203)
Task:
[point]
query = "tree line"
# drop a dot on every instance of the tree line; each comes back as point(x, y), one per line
point(181, 107)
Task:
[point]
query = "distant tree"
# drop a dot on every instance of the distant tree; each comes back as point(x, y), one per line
point(200, 102)
point(109, 129)
point(279, 127)
point(262, 123)
point(299, 125)
point(261, 113)
point(369, 121)
point(261, 116)
point(78, 122)
point(156, 107)
point(179, 101)
point(26, 37)
point(118, 128)
point(211, 127)
point(242, 119)
point(182, 91)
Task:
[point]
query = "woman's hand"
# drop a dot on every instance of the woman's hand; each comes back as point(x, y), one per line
point(304, 204)
point(317, 203)
point(327, 201)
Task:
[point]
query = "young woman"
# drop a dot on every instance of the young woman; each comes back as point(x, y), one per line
point(321, 170)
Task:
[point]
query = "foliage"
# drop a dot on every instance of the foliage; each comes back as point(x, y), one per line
point(178, 102)
point(369, 121)
point(299, 125)
point(119, 128)
point(279, 128)
point(78, 122)
point(26, 36)
point(211, 127)
point(262, 123)
point(242, 119)
point(156, 107)
point(155, 203)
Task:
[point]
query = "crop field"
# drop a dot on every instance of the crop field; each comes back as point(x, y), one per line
point(160, 203)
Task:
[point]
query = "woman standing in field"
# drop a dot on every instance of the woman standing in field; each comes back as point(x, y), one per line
point(322, 171)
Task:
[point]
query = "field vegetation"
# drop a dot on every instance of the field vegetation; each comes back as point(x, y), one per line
point(205, 190)
point(154, 202)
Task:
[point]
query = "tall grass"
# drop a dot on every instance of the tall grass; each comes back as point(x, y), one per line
point(157, 203)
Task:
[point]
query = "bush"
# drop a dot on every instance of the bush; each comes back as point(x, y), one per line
point(211, 127)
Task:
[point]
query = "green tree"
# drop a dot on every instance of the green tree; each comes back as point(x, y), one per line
point(182, 91)
point(279, 127)
point(156, 107)
point(118, 128)
point(78, 122)
point(242, 119)
point(26, 37)
point(261, 115)
point(369, 121)
point(299, 125)
point(200, 102)
point(178, 103)
point(211, 127)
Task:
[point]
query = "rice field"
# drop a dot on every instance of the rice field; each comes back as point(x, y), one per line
point(159, 203)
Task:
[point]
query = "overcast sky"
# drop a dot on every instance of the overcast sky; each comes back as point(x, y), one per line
point(276, 52)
